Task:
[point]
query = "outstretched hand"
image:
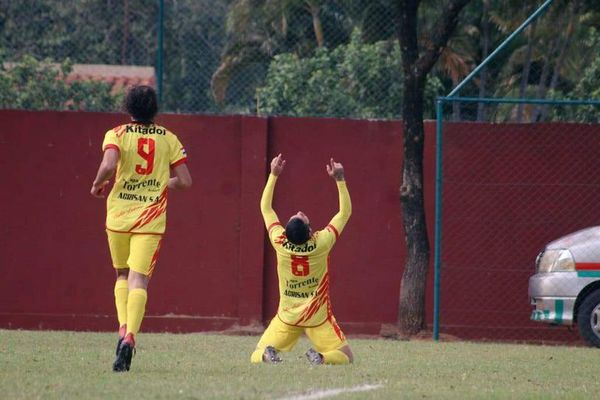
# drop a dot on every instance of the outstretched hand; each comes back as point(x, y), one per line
point(277, 165)
point(335, 170)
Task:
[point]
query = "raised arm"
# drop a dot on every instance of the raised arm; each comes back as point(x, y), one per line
point(338, 222)
point(266, 201)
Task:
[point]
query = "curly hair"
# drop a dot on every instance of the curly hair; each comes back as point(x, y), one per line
point(140, 102)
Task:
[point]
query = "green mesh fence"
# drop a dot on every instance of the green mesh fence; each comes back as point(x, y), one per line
point(293, 57)
point(517, 146)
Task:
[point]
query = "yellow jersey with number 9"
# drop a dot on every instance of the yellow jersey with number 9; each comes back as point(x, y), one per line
point(137, 202)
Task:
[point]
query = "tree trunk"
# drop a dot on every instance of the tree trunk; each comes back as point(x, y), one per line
point(526, 70)
point(561, 54)
point(315, 10)
point(411, 312)
point(542, 88)
point(412, 289)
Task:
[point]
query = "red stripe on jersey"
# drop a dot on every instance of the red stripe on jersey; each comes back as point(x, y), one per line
point(273, 225)
point(335, 231)
point(321, 297)
point(120, 130)
point(152, 212)
point(176, 163)
point(112, 146)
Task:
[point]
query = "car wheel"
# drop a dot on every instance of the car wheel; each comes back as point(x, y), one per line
point(588, 318)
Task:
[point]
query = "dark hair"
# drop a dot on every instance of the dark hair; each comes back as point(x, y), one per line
point(140, 102)
point(297, 231)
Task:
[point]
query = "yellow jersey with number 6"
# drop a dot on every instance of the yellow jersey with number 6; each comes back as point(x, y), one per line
point(138, 200)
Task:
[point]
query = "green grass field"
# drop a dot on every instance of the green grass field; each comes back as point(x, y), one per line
point(209, 366)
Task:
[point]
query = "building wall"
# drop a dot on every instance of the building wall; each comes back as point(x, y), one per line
point(216, 270)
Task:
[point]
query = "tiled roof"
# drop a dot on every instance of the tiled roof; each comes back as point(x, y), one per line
point(119, 76)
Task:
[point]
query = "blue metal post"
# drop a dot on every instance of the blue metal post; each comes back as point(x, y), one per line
point(508, 100)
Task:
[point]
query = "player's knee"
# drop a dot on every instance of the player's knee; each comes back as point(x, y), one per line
point(256, 356)
point(346, 350)
point(122, 273)
point(138, 280)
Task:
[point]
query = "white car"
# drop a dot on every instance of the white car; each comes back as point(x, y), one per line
point(566, 287)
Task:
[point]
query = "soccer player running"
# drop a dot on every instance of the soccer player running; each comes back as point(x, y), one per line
point(143, 155)
point(302, 268)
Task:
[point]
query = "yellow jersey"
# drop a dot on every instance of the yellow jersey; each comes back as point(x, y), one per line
point(138, 200)
point(302, 270)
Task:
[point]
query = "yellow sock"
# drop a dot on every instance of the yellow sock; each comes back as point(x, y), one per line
point(256, 357)
point(136, 306)
point(121, 293)
point(335, 357)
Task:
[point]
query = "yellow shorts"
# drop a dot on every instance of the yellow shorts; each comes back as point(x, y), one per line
point(326, 337)
point(136, 251)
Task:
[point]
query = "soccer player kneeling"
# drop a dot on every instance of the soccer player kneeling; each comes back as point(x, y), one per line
point(142, 154)
point(302, 269)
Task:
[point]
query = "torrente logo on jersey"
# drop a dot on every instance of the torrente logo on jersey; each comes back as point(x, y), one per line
point(301, 289)
point(133, 185)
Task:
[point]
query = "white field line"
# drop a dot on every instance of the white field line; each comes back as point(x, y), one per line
point(322, 394)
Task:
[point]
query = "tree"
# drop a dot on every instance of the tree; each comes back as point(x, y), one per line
point(416, 65)
point(124, 32)
point(544, 62)
point(359, 80)
point(258, 30)
point(35, 85)
point(194, 41)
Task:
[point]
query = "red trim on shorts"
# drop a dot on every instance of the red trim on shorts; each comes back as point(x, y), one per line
point(302, 326)
point(335, 231)
point(112, 146)
point(177, 163)
point(154, 258)
point(336, 328)
point(136, 233)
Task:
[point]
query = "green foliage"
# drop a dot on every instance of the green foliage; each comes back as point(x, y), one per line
point(194, 36)
point(35, 85)
point(589, 88)
point(86, 31)
point(358, 79)
point(123, 32)
point(237, 40)
point(586, 88)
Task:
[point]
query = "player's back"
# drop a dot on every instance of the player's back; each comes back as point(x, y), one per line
point(137, 202)
point(303, 278)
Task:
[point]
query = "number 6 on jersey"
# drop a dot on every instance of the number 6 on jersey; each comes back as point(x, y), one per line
point(300, 266)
